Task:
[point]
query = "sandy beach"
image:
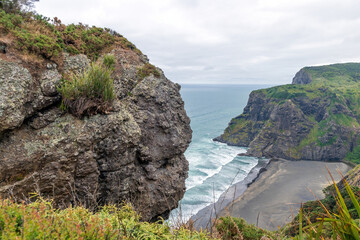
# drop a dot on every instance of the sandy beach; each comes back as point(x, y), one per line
point(275, 196)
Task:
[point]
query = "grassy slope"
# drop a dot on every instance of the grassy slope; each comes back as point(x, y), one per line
point(338, 83)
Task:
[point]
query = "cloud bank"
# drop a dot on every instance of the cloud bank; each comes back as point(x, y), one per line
point(226, 42)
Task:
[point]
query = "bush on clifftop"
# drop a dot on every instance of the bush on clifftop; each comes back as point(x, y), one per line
point(33, 33)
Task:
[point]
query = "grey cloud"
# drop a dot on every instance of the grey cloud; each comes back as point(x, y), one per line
point(212, 41)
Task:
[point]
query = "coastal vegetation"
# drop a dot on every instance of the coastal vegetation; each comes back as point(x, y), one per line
point(335, 217)
point(39, 220)
point(90, 91)
point(35, 34)
point(334, 87)
point(323, 111)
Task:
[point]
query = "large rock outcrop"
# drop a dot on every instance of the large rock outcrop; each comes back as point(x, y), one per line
point(134, 153)
point(309, 120)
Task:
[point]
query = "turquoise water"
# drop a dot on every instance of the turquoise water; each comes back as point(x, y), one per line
point(213, 166)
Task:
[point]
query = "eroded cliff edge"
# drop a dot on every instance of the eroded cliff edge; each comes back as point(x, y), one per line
point(315, 118)
point(134, 153)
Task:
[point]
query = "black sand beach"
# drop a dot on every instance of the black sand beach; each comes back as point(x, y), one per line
point(275, 196)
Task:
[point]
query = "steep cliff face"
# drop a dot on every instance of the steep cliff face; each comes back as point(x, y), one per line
point(311, 120)
point(302, 77)
point(134, 153)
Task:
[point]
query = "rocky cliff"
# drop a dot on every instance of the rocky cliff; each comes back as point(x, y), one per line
point(315, 118)
point(133, 153)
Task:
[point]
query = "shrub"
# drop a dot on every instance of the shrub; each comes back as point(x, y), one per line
point(9, 21)
point(39, 220)
point(36, 34)
point(88, 93)
point(109, 61)
point(146, 70)
point(37, 43)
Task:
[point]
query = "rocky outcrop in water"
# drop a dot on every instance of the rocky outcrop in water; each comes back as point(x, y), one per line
point(316, 118)
point(134, 153)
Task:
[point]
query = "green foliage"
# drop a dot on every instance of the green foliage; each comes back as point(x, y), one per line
point(39, 220)
point(109, 61)
point(37, 43)
point(237, 228)
point(35, 34)
point(146, 70)
point(89, 92)
point(9, 21)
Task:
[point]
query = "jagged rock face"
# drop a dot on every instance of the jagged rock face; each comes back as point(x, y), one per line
point(308, 122)
point(134, 153)
point(302, 77)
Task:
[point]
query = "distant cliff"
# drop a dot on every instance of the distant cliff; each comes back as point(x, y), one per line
point(133, 152)
point(315, 118)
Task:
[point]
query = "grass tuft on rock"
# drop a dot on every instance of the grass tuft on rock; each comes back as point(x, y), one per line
point(146, 70)
point(91, 91)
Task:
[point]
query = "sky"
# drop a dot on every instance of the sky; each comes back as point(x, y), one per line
point(226, 41)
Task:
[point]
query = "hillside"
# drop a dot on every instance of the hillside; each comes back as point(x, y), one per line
point(314, 118)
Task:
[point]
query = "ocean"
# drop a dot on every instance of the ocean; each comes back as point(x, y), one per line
point(213, 166)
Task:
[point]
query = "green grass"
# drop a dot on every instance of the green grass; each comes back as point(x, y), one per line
point(89, 92)
point(39, 220)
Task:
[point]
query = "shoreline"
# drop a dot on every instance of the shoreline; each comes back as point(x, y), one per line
point(203, 217)
point(268, 191)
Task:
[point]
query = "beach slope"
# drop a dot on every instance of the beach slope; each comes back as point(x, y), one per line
point(275, 197)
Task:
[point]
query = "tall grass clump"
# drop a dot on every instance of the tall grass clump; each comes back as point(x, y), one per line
point(91, 91)
point(109, 61)
point(39, 220)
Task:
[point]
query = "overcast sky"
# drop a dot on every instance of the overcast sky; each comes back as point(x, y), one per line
point(226, 41)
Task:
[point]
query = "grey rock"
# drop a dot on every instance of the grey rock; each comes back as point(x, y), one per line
point(302, 77)
point(75, 64)
point(272, 127)
point(50, 79)
point(14, 84)
point(135, 153)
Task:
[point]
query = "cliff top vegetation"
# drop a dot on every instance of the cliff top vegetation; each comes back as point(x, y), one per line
point(329, 99)
point(34, 34)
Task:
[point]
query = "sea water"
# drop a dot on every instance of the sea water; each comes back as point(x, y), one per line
point(213, 166)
